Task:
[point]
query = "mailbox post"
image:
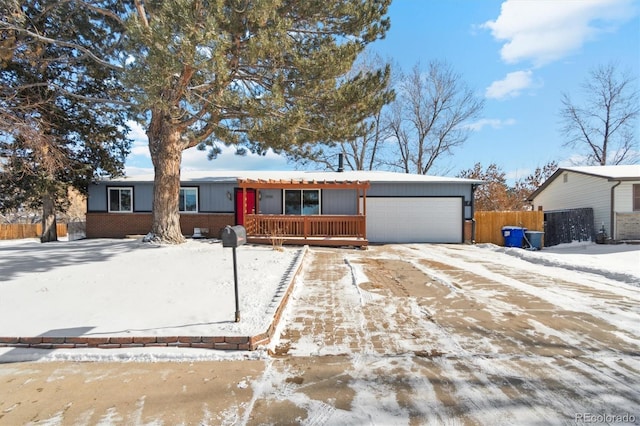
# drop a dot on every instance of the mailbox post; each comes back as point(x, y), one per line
point(234, 236)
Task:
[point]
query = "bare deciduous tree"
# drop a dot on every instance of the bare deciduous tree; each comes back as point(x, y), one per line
point(603, 127)
point(497, 195)
point(428, 118)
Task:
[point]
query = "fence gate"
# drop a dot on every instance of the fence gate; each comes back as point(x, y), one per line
point(565, 226)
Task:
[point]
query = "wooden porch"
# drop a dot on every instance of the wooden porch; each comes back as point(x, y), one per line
point(317, 229)
point(324, 230)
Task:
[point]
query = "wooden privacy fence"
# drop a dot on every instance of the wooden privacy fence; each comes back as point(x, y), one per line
point(489, 224)
point(14, 231)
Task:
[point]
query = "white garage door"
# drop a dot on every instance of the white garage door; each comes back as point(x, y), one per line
point(414, 220)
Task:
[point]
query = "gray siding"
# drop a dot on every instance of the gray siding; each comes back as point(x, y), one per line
point(271, 201)
point(143, 197)
point(401, 189)
point(214, 198)
point(97, 198)
point(339, 201)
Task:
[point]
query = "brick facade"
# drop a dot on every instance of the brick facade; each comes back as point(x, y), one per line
point(628, 226)
point(119, 225)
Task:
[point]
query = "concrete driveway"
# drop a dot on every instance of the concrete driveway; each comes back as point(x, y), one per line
point(391, 335)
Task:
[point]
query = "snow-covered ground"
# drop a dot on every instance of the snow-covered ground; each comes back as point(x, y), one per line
point(619, 262)
point(457, 334)
point(109, 287)
point(397, 334)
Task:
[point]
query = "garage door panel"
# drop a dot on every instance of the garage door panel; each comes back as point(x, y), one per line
point(414, 220)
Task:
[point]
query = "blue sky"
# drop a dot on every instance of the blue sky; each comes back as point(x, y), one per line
point(519, 55)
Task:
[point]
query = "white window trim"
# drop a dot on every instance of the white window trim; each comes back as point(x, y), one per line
point(195, 188)
point(319, 191)
point(119, 188)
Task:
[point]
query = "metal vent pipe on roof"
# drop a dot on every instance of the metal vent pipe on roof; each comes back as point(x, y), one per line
point(340, 162)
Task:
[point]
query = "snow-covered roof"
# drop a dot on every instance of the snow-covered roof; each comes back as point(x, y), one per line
point(631, 171)
point(223, 176)
point(622, 172)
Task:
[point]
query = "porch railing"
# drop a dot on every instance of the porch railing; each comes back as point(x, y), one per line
point(305, 226)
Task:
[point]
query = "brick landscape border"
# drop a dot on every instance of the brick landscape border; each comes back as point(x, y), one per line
point(246, 343)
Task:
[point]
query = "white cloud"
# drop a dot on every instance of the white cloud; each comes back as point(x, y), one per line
point(511, 85)
point(545, 31)
point(193, 160)
point(140, 145)
point(573, 160)
point(580, 159)
point(136, 131)
point(140, 149)
point(494, 123)
point(139, 160)
point(514, 175)
point(130, 171)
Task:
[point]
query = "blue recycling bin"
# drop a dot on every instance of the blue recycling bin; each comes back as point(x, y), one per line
point(534, 239)
point(513, 236)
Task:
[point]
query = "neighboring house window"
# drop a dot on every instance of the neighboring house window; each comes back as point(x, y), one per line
point(302, 201)
point(188, 200)
point(120, 200)
point(636, 197)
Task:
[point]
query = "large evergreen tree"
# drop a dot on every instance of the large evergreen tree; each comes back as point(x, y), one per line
point(252, 73)
point(365, 150)
point(60, 120)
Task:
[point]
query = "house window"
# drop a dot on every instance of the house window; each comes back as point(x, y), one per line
point(120, 200)
point(302, 201)
point(636, 197)
point(188, 200)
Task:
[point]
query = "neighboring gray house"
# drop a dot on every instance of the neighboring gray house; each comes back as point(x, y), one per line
point(613, 192)
point(327, 208)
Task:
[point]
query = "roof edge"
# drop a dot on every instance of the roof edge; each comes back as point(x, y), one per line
point(575, 170)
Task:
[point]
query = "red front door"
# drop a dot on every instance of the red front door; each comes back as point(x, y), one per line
point(250, 203)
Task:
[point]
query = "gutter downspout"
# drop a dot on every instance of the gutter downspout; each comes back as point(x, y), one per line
point(612, 217)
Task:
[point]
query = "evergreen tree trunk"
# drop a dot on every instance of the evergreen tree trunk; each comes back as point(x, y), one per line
point(49, 231)
point(166, 154)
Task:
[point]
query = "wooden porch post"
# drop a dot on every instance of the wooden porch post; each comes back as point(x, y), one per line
point(364, 213)
point(257, 202)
